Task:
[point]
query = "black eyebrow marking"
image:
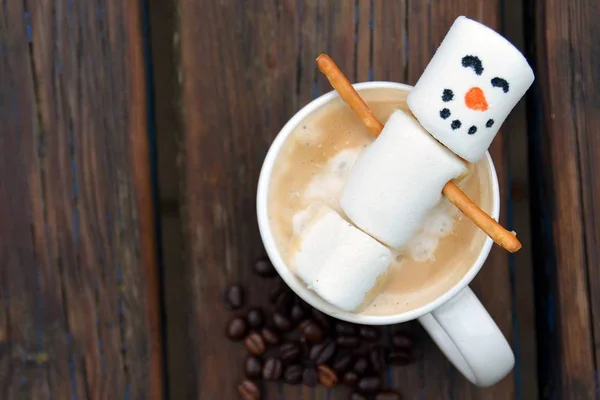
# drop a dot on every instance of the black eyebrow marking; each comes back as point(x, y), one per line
point(473, 62)
point(501, 83)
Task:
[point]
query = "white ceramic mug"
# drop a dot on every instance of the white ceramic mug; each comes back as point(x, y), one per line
point(456, 320)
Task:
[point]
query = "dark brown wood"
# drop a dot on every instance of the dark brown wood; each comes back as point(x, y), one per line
point(519, 219)
point(238, 63)
point(80, 315)
point(565, 166)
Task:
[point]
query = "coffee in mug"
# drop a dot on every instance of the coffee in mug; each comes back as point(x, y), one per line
point(311, 170)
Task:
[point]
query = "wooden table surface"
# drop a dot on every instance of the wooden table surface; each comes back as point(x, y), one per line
point(131, 138)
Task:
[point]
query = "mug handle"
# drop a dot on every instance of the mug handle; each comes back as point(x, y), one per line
point(469, 337)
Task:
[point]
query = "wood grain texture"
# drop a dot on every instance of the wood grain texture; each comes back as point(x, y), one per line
point(246, 68)
point(518, 216)
point(77, 258)
point(564, 166)
point(238, 63)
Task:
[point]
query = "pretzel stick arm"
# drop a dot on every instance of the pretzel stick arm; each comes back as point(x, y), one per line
point(342, 85)
point(493, 229)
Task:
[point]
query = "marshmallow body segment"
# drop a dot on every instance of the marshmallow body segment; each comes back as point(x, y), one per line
point(398, 180)
point(339, 262)
point(469, 87)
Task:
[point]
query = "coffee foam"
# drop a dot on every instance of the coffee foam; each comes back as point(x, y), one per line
point(329, 183)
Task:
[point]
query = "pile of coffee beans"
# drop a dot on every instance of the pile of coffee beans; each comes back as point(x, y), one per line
point(289, 341)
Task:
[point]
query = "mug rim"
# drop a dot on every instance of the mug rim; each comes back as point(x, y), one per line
point(294, 283)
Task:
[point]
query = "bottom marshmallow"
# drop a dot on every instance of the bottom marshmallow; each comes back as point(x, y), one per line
point(338, 261)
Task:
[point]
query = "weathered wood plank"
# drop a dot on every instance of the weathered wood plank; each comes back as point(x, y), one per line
point(564, 166)
point(363, 41)
point(519, 219)
point(390, 41)
point(238, 62)
point(81, 291)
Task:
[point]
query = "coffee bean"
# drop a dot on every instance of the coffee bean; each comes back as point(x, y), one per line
point(348, 341)
point(233, 297)
point(388, 395)
point(297, 313)
point(320, 318)
point(264, 268)
point(377, 358)
point(236, 329)
point(311, 332)
point(322, 352)
point(284, 303)
point(399, 357)
point(345, 329)
point(281, 322)
point(256, 318)
point(253, 367)
point(326, 375)
point(255, 344)
point(342, 363)
point(361, 351)
point(272, 369)
point(402, 341)
point(304, 324)
point(275, 293)
point(248, 390)
point(289, 351)
point(360, 366)
point(270, 336)
point(368, 333)
point(293, 374)
point(309, 376)
point(369, 384)
point(357, 396)
point(350, 378)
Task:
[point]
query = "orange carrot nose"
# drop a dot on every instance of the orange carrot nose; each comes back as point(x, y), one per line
point(475, 99)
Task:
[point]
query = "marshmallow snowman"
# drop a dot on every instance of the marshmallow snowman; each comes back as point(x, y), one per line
point(471, 84)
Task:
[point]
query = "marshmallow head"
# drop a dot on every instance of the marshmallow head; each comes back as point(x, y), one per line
point(470, 86)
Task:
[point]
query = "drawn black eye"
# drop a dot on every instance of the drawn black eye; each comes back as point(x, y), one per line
point(473, 62)
point(501, 83)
